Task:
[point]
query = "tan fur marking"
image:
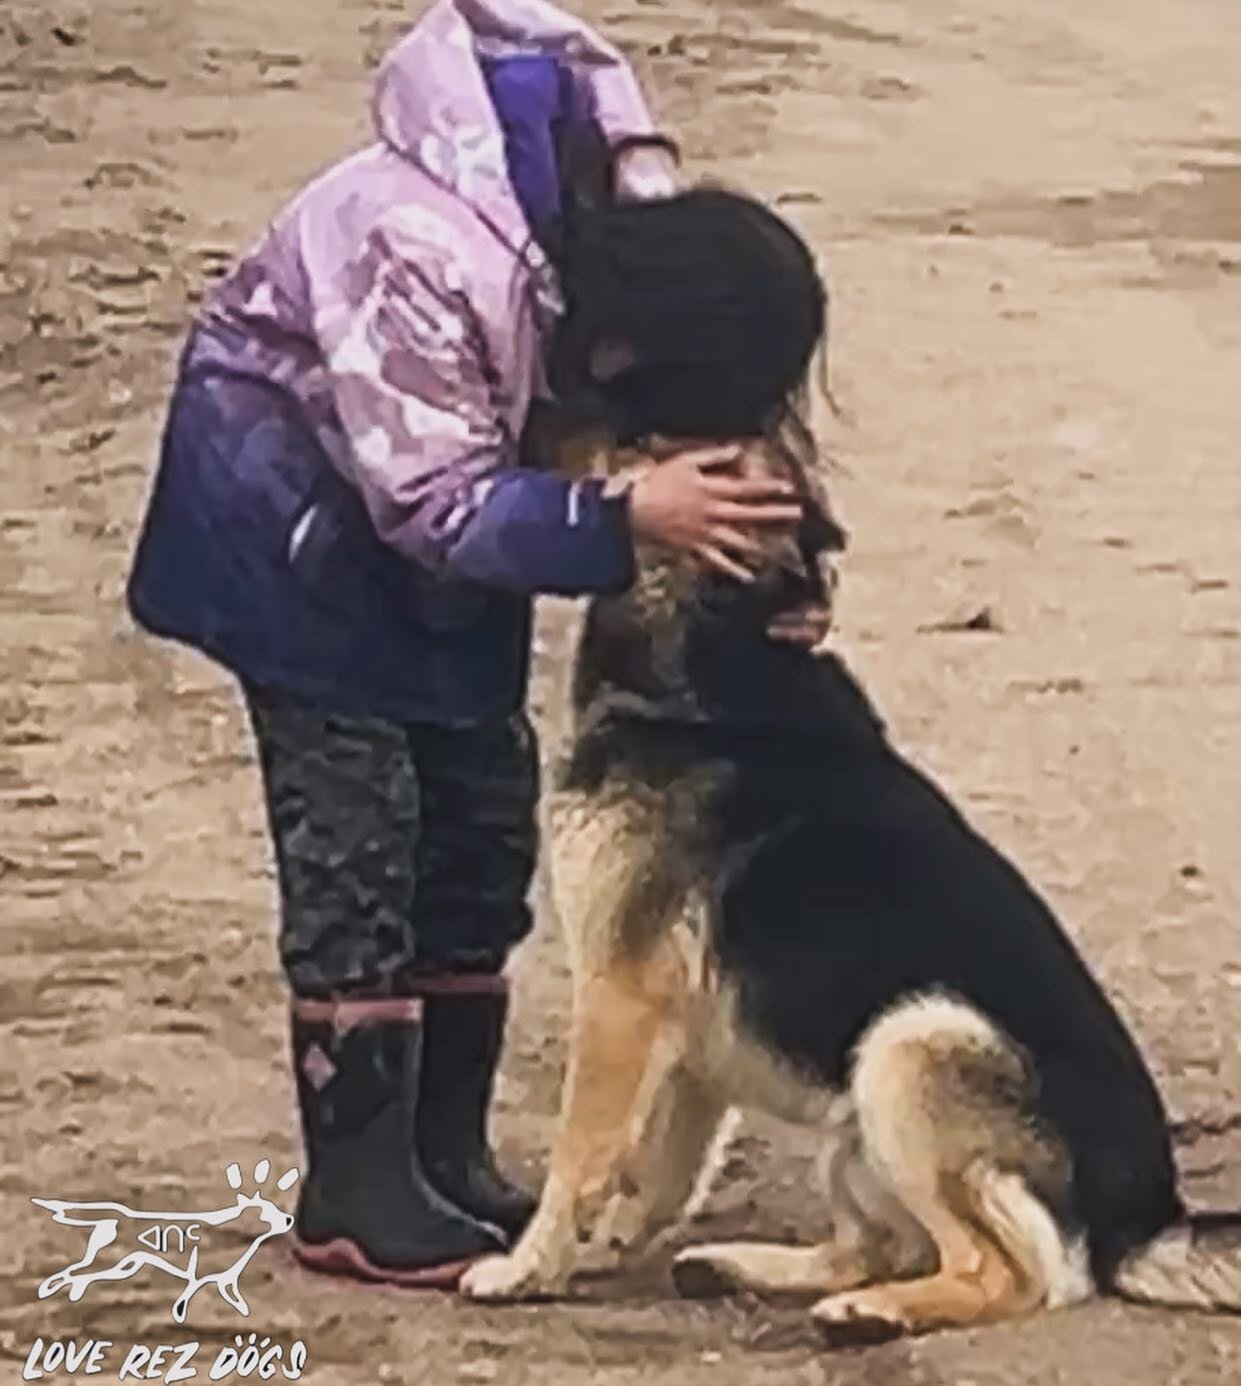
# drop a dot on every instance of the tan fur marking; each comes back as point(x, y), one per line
point(616, 888)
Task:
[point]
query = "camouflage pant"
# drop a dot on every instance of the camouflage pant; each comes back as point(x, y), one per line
point(396, 846)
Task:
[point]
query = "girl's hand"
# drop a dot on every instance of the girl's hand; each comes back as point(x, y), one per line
point(690, 503)
point(645, 172)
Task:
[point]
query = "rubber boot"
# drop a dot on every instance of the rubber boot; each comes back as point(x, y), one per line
point(366, 1208)
point(464, 1020)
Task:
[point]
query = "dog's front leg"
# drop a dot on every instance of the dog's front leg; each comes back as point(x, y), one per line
point(671, 1164)
point(617, 1019)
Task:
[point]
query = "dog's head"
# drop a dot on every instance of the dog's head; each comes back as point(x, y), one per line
point(793, 567)
point(687, 634)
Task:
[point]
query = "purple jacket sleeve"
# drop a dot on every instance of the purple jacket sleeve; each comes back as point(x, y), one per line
point(430, 450)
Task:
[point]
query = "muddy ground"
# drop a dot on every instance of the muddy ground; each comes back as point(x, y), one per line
point(1031, 214)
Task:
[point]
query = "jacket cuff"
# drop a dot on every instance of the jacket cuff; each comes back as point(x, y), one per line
point(537, 532)
point(616, 525)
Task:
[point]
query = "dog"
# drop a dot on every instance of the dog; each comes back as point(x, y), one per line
point(767, 906)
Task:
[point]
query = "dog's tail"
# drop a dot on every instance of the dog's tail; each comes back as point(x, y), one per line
point(1194, 1265)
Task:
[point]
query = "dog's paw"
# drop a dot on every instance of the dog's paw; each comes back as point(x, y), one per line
point(501, 1280)
point(857, 1319)
point(699, 1273)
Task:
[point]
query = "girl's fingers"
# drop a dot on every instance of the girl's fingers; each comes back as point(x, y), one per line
point(710, 456)
point(736, 541)
point(719, 560)
point(772, 513)
point(750, 488)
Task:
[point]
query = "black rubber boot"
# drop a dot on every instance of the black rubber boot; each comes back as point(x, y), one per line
point(464, 1020)
point(365, 1207)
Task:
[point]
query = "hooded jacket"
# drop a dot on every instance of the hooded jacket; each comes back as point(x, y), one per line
point(338, 509)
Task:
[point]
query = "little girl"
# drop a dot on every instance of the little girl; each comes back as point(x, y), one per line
point(340, 518)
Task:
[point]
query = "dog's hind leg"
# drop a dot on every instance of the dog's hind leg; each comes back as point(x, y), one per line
point(943, 1102)
point(873, 1236)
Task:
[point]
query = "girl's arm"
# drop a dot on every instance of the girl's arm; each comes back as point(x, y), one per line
point(432, 457)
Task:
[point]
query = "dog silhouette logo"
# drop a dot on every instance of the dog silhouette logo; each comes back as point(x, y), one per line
point(168, 1242)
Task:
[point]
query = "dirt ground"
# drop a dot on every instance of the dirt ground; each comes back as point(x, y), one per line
point(1031, 214)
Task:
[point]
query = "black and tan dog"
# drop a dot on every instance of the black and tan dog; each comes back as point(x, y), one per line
point(767, 906)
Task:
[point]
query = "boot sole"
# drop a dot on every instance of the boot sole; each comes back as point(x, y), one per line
point(341, 1257)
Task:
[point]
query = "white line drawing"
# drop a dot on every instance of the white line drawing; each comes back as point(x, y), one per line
point(104, 1222)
